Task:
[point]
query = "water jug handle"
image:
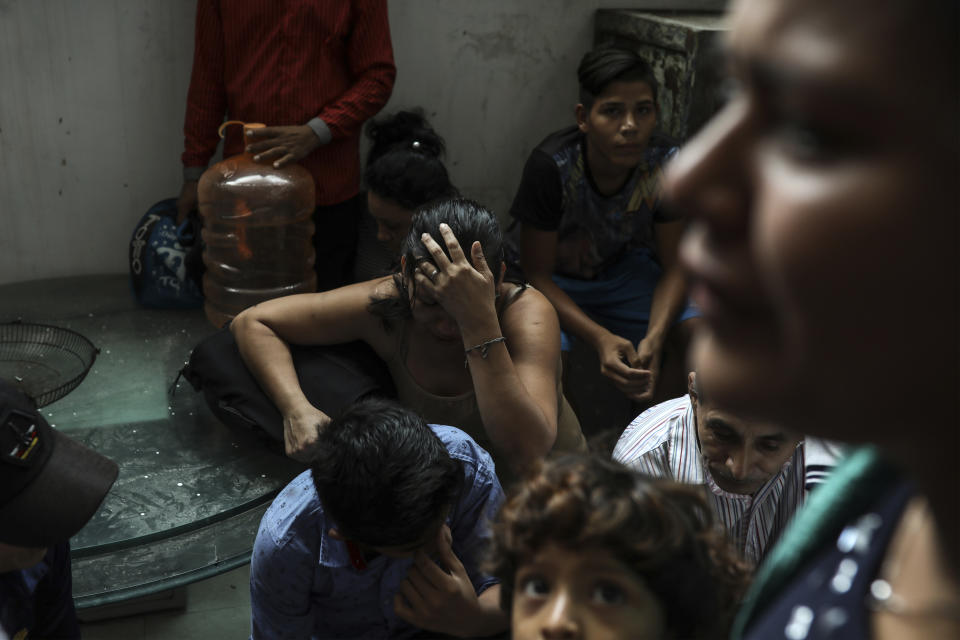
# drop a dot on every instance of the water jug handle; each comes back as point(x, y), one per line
point(246, 125)
point(227, 124)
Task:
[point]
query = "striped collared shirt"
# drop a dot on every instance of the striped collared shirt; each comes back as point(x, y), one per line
point(662, 442)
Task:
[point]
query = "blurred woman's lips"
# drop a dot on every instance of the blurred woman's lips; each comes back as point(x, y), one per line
point(715, 286)
point(705, 299)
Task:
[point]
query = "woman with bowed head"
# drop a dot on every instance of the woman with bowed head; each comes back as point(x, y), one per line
point(822, 251)
point(463, 346)
point(404, 171)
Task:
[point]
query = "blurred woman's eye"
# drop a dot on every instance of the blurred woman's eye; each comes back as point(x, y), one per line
point(611, 110)
point(805, 142)
point(729, 90)
point(818, 141)
point(608, 593)
point(534, 586)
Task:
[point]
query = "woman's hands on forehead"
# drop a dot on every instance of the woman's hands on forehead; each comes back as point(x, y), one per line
point(466, 291)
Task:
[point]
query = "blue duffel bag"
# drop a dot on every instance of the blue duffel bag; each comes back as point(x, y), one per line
point(165, 262)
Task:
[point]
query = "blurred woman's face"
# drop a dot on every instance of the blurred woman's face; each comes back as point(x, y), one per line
point(429, 314)
point(822, 245)
point(393, 221)
point(425, 310)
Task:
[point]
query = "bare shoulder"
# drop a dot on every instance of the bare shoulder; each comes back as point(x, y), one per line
point(383, 287)
point(529, 313)
point(350, 301)
point(526, 300)
point(375, 331)
point(359, 295)
point(532, 329)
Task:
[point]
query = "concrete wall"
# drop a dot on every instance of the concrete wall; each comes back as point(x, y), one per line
point(92, 95)
point(91, 104)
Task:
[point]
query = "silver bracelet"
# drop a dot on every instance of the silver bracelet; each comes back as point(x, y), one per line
point(483, 348)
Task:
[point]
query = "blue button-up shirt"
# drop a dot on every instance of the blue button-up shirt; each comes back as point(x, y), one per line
point(302, 584)
point(38, 601)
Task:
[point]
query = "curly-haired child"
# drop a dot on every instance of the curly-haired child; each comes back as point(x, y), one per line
point(590, 549)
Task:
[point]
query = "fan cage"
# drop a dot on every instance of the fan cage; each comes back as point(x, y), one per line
point(30, 342)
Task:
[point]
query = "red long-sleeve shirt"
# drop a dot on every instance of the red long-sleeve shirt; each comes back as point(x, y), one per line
point(284, 62)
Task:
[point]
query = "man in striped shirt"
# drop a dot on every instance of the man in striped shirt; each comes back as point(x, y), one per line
point(755, 475)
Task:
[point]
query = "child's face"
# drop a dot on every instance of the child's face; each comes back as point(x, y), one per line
point(618, 125)
point(583, 594)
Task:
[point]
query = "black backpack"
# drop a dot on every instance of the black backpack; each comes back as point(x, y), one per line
point(332, 377)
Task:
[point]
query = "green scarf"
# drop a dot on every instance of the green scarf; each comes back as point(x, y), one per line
point(851, 489)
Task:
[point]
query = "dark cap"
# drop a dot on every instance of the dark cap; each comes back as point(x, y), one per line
point(50, 484)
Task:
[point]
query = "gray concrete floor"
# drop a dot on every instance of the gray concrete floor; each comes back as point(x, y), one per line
point(219, 608)
point(216, 609)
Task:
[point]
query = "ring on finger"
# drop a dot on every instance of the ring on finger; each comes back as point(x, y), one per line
point(435, 273)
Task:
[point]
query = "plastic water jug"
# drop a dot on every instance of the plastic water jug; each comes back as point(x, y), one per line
point(257, 230)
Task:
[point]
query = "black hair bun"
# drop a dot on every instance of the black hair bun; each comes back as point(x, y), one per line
point(406, 129)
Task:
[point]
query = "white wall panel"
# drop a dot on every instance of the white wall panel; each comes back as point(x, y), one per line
point(92, 95)
point(91, 108)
